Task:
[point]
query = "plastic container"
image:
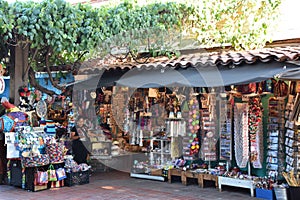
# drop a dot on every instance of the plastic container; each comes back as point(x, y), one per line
point(280, 193)
point(264, 194)
point(293, 193)
point(77, 178)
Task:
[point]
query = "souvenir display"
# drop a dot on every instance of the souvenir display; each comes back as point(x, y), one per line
point(208, 148)
point(255, 132)
point(118, 102)
point(169, 128)
point(11, 141)
point(188, 137)
point(291, 135)
point(275, 154)
point(225, 130)
point(13, 117)
point(208, 133)
point(241, 134)
point(55, 150)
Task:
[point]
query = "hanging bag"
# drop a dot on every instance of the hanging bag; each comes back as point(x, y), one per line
point(52, 173)
point(61, 174)
point(41, 177)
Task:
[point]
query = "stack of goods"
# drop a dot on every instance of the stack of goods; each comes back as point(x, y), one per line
point(264, 188)
point(50, 128)
point(76, 174)
point(140, 167)
point(55, 150)
point(32, 146)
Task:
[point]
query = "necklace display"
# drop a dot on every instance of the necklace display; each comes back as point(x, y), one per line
point(255, 132)
point(241, 134)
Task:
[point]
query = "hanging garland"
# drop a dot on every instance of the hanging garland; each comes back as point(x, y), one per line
point(193, 125)
point(255, 132)
point(241, 144)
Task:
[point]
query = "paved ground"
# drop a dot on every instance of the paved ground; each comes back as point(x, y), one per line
point(119, 185)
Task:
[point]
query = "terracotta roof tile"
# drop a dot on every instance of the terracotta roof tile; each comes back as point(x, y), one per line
point(280, 54)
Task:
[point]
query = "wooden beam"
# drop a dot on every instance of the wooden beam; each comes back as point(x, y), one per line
point(18, 74)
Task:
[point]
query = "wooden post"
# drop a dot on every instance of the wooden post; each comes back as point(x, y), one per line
point(18, 70)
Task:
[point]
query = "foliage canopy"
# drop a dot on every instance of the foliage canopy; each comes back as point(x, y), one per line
point(65, 31)
point(59, 33)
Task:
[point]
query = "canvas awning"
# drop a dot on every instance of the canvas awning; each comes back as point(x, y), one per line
point(198, 76)
point(104, 78)
point(202, 76)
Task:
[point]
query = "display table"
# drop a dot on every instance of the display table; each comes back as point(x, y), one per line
point(208, 177)
point(235, 182)
point(190, 174)
point(173, 172)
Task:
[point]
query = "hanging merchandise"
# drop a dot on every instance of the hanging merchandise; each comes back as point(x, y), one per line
point(194, 146)
point(175, 153)
point(41, 177)
point(208, 149)
point(280, 88)
point(256, 132)
point(193, 125)
point(275, 155)
point(51, 173)
point(291, 134)
point(61, 173)
point(225, 129)
point(118, 103)
point(126, 126)
point(247, 88)
point(208, 134)
point(265, 87)
point(241, 135)
point(194, 117)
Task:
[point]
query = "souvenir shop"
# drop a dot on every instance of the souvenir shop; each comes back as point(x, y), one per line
point(241, 135)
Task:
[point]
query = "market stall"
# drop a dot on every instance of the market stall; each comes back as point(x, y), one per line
point(39, 155)
point(209, 134)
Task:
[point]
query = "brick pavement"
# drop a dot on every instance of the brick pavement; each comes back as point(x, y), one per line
point(119, 185)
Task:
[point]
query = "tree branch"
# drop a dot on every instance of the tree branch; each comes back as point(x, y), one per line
point(48, 54)
point(36, 85)
point(29, 64)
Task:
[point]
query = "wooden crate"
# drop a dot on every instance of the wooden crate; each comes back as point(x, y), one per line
point(156, 172)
